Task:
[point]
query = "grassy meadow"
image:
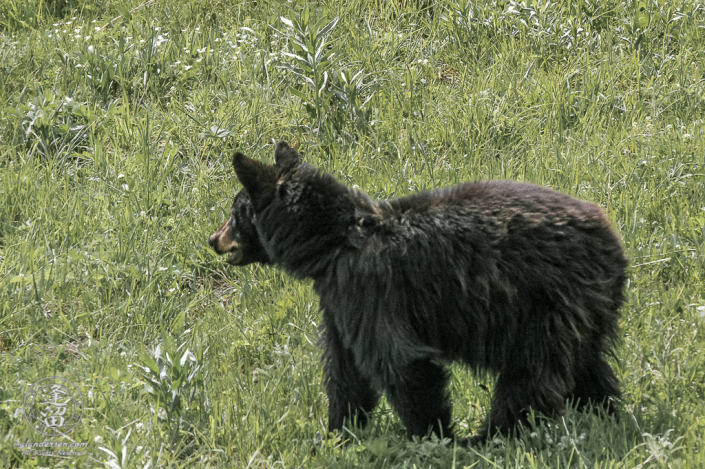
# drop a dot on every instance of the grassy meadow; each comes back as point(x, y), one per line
point(117, 125)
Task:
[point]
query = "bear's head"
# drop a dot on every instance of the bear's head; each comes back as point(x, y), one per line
point(301, 215)
point(238, 235)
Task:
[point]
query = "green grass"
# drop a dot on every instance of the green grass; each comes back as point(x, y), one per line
point(117, 121)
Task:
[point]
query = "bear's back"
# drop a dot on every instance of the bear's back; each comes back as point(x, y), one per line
point(465, 269)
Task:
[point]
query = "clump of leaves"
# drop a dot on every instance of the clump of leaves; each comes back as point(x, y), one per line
point(124, 453)
point(331, 96)
point(549, 27)
point(52, 126)
point(127, 65)
point(313, 60)
point(174, 377)
point(26, 14)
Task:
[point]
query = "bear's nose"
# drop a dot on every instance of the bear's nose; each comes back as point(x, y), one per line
point(212, 240)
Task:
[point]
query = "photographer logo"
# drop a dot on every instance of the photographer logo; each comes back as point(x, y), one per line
point(53, 406)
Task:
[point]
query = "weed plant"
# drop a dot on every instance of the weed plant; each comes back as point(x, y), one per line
point(117, 123)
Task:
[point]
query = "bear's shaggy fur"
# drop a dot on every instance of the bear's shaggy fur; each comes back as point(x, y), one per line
point(510, 278)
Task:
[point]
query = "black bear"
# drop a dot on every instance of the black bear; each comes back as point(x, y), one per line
point(506, 277)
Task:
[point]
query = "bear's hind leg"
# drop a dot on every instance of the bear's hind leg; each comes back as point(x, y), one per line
point(595, 383)
point(421, 399)
point(519, 390)
point(350, 394)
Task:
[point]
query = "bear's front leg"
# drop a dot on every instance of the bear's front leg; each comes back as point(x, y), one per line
point(350, 395)
point(420, 397)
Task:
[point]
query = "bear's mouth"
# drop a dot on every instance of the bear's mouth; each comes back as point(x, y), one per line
point(235, 257)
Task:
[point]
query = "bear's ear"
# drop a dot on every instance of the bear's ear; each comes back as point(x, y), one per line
point(258, 179)
point(285, 156)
